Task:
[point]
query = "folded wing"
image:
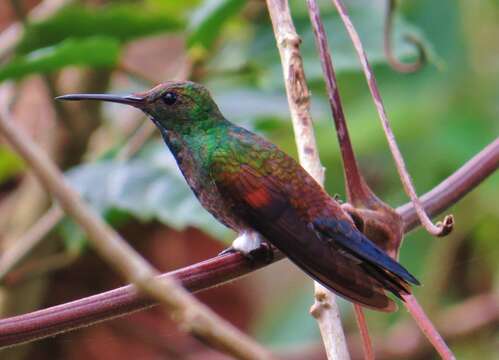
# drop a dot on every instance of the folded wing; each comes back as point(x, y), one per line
point(261, 200)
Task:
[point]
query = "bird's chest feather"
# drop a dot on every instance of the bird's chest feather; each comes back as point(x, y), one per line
point(193, 166)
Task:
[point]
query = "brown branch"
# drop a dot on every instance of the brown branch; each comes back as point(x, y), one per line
point(387, 41)
point(204, 275)
point(191, 314)
point(452, 189)
point(358, 192)
point(324, 310)
point(356, 187)
point(288, 43)
point(22, 246)
point(122, 301)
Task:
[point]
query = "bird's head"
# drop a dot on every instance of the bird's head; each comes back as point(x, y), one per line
point(173, 106)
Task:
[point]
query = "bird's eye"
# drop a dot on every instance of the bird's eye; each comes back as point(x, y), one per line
point(169, 98)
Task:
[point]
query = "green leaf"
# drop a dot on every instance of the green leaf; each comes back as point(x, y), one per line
point(10, 164)
point(148, 187)
point(122, 22)
point(209, 19)
point(95, 52)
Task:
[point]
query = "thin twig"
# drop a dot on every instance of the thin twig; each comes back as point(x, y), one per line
point(387, 41)
point(34, 235)
point(427, 327)
point(452, 189)
point(19, 249)
point(22, 246)
point(358, 193)
point(191, 314)
point(367, 345)
point(40, 267)
point(440, 229)
point(325, 310)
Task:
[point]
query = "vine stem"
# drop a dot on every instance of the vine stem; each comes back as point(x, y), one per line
point(191, 314)
point(395, 63)
point(441, 229)
point(427, 327)
point(324, 310)
point(449, 191)
point(367, 345)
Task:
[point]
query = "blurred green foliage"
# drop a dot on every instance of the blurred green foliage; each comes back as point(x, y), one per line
point(10, 164)
point(121, 22)
point(97, 51)
point(208, 20)
point(143, 187)
point(442, 116)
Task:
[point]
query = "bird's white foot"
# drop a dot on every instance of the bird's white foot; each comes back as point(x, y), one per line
point(247, 241)
point(251, 245)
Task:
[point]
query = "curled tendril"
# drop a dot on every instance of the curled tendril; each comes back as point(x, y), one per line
point(395, 63)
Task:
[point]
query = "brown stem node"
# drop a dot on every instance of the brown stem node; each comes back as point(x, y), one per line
point(446, 225)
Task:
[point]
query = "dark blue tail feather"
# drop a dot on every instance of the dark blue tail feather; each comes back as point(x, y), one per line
point(344, 235)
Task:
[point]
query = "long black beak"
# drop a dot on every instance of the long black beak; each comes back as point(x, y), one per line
point(132, 100)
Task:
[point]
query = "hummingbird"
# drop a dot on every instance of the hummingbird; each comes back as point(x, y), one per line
point(251, 186)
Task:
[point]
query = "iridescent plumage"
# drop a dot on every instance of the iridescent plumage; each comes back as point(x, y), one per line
point(253, 187)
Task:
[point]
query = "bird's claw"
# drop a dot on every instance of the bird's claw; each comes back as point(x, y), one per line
point(264, 253)
point(229, 250)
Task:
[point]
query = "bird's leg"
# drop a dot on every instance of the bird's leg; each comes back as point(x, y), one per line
point(250, 244)
point(247, 241)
